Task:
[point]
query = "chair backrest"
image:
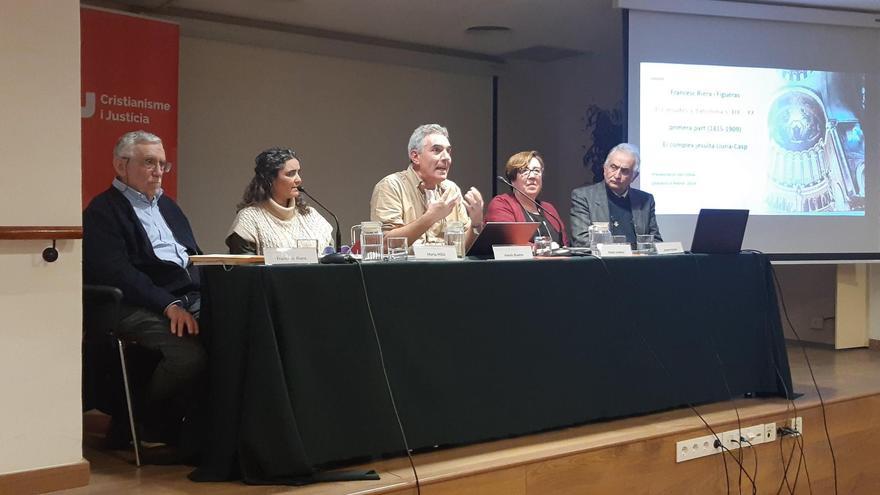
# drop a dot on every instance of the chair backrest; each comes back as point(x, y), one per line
point(101, 306)
point(102, 371)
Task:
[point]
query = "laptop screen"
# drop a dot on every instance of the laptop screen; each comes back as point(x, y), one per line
point(515, 233)
point(719, 231)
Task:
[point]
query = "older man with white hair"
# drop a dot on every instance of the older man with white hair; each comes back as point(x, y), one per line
point(138, 239)
point(627, 210)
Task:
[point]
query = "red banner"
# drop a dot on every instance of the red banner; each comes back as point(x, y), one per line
point(129, 82)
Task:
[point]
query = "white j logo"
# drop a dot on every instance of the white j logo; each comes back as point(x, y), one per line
point(89, 108)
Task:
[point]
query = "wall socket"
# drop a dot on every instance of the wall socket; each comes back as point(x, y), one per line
point(694, 448)
point(733, 439)
point(755, 434)
point(797, 424)
point(770, 432)
point(730, 439)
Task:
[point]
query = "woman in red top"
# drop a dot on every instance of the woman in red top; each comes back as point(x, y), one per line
point(525, 170)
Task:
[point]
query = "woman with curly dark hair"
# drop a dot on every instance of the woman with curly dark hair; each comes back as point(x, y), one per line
point(272, 212)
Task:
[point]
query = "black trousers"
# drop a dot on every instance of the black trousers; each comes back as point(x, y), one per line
point(175, 381)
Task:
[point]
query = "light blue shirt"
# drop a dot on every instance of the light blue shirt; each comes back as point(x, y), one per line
point(161, 238)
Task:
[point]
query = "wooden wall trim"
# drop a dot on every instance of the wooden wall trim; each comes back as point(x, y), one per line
point(31, 232)
point(45, 480)
point(648, 465)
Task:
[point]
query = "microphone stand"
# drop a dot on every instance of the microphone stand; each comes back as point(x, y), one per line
point(336, 257)
point(540, 208)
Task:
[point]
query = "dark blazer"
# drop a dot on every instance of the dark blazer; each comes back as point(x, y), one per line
point(590, 204)
point(117, 252)
point(505, 208)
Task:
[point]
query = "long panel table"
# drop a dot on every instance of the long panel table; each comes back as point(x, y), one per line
point(474, 350)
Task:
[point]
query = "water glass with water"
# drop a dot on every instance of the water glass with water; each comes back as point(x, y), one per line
point(397, 248)
point(645, 244)
point(454, 236)
point(543, 245)
point(599, 234)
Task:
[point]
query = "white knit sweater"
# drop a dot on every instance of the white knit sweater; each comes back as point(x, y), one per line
point(272, 225)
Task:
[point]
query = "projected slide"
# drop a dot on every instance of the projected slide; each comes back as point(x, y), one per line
point(775, 141)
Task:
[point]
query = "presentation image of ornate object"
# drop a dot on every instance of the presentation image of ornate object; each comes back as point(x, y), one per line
point(808, 171)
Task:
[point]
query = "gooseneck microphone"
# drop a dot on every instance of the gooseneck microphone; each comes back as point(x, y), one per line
point(541, 209)
point(331, 258)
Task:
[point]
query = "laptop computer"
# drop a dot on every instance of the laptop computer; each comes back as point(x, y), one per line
point(719, 231)
point(502, 233)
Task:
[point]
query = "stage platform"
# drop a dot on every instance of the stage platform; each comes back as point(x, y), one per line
point(629, 456)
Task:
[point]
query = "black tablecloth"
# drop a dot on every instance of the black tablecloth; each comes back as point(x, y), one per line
point(474, 350)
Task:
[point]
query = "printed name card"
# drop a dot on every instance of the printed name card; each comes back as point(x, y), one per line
point(509, 252)
point(614, 249)
point(291, 256)
point(435, 252)
point(668, 247)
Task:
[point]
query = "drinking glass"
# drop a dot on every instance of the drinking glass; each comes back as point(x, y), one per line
point(307, 243)
point(599, 234)
point(645, 244)
point(454, 236)
point(397, 248)
point(543, 245)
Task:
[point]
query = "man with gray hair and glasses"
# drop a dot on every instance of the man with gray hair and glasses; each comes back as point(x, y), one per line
point(628, 211)
point(418, 203)
point(137, 239)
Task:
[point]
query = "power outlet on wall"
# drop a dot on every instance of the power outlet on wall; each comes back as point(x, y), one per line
point(696, 447)
point(748, 436)
point(770, 432)
point(755, 434)
point(797, 424)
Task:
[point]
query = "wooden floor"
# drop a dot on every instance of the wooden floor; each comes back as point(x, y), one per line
point(633, 455)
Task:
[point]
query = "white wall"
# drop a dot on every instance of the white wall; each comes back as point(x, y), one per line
point(809, 292)
point(542, 107)
point(348, 110)
point(874, 302)
point(40, 419)
point(348, 120)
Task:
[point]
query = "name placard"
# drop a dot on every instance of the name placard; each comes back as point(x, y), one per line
point(434, 252)
point(291, 256)
point(614, 249)
point(668, 247)
point(510, 252)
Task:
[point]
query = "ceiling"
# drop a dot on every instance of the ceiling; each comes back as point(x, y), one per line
point(543, 28)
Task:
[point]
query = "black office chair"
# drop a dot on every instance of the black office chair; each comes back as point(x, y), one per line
point(101, 369)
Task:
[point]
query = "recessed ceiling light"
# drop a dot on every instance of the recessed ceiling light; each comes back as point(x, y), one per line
point(487, 28)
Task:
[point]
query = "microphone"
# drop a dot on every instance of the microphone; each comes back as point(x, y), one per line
point(541, 209)
point(335, 257)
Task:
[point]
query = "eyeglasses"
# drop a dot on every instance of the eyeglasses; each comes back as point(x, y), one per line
point(527, 172)
point(152, 164)
point(615, 168)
